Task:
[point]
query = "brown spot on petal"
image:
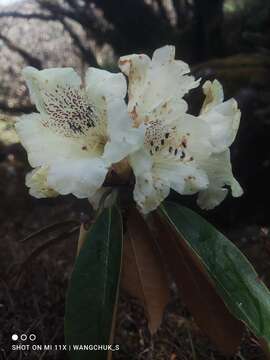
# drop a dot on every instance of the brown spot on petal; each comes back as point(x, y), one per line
point(133, 113)
point(184, 142)
point(124, 62)
point(165, 105)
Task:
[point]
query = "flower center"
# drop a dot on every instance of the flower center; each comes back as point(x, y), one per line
point(71, 114)
point(69, 111)
point(162, 142)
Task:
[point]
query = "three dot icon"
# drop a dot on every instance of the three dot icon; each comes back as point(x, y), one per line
point(23, 337)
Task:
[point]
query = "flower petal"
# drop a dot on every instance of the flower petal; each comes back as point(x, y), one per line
point(186, 179)
point(219, 170)
point(194, 135)
point(164, 55)
point(81, 178)
point(40, 82)
point(154, 83)
point(104, 83)
point(123, 138)
point(63, 105)
point(150, 200)
point(214, 95)
point(43, 145)
point(36, 181)
point(148, 192)
point(135, 67)
point(222, 117)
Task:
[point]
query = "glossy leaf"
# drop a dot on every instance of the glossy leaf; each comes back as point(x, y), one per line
point(143, 275)
point(197, 291)
point(234, 277)
point(93, 290)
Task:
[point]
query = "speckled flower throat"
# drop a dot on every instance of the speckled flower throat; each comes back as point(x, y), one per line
point(163, 142)
point(71, 113)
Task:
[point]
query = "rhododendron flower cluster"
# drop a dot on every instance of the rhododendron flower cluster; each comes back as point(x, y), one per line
point(81, 135)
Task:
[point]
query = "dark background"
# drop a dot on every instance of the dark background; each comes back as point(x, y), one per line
point(227, 40)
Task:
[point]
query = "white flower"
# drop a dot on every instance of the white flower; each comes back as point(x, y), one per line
point(186, 153)
point(173, 139)
point(223, 119)
point(157, 86)
point(79, 132)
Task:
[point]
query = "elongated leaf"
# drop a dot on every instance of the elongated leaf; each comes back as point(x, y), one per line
point(143, 275)
point(234, 277)
point(197, 291)
point(93, 290)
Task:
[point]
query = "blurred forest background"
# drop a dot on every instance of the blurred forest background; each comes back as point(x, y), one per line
point(224, 39)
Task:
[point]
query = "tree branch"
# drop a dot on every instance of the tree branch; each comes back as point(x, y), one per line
point(60, 11)
point(57, 13)
point(87, 54)
point(16, 14)
point(30, 59)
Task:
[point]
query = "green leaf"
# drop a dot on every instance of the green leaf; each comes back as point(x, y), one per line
point(93, 290)
point(235, 279)
point(197, 290)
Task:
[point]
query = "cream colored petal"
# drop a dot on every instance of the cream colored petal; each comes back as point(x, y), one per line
point(42, 82)
point(153, 84)
point(123, 138)
point(105, 83)
point(223, 118)
point(36, 181)
point(135, 67)
point(150, 200)
point(81, 178)
point(219, 170)
point(186, 179)
point(64, 107)
point(195, 135)
point(214, 95)
point(43, 145)
point(149, 192)
point(164, 55)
